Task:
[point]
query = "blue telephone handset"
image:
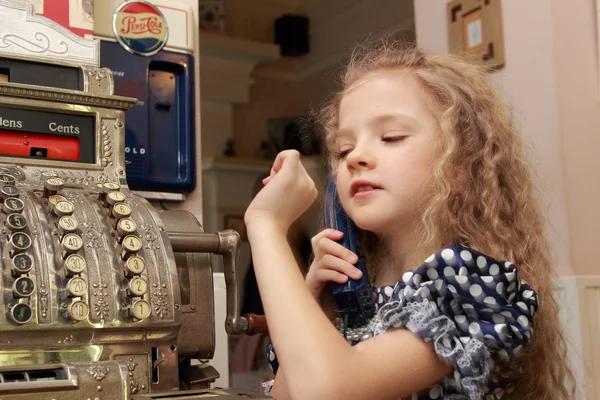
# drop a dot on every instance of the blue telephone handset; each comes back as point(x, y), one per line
point(354, 298)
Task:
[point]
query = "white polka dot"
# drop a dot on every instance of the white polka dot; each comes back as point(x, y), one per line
point(481, 262)
point(500, 328)
point(494, 269)
point(460, 318)
point(490, 300)
point(407, 290)
point(432, 274)
point(527, 293)
point(511, 287)
point(449, 271)
point(271, 356)
point(463, 271)
point(452, 288)
point(510, 276)
point(507, 314)
point(523, 321)
point(425, 292)
point(508, 264)
point(532, 310)
point(511, 297)
point(446, 342)
point(388, 290)
point(466, 255)
point(474, 328)
point(475, 290)
point(380, 300)
point(518, 349)
point(447, 254)
point(465, 339)
point(430, 258)
point(406, 277)
point(435, 392)
point(500, 288)
point(461, 279)
point(416, 279)
point(522, 306)
point(439, 284)
point(498, 319)
point(487, 279)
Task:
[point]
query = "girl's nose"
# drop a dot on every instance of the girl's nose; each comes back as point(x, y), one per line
point(360, 157)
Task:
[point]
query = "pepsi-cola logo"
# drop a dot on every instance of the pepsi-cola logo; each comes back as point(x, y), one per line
point(140, 27)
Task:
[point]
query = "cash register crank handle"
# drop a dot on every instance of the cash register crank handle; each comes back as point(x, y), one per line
point(226, 243)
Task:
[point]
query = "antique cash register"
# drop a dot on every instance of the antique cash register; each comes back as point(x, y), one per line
point(103, 297)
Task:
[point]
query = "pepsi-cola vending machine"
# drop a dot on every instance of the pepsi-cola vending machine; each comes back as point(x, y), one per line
point(160, 129)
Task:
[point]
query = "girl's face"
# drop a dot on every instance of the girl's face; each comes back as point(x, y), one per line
point(385, 150)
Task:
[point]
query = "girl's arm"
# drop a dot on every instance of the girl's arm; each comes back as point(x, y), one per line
point(318, 362)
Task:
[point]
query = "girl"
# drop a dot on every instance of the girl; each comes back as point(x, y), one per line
point(429, 166)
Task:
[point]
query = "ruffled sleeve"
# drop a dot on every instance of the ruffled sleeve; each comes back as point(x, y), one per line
point(474, 310)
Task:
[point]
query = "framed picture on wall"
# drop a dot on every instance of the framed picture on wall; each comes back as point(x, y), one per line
point(475, 29)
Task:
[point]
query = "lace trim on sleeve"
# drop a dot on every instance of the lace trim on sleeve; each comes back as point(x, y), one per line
point(468, 355)
point(267, 387)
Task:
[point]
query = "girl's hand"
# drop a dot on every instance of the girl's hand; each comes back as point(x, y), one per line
point(288, 193)
point(333, 262)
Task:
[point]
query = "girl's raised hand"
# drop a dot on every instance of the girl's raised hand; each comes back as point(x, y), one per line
point(333, 262)
point(288, 193)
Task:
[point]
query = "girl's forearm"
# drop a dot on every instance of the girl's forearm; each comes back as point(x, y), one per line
point(304, 339)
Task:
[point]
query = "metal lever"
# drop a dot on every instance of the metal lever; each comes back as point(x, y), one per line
point(226, 243)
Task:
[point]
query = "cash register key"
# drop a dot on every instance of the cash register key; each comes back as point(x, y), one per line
point(23, 287)
point(137, 287)
point(140, 310)
point(48, 174)
point(13, 205)
point(106, 188)
point(21, 264)
point(67, 224)
point(64, 207)
point(126, 226)
point(75, 265)
point(15, 223)
point(131, 245)
point(71, 243)
point(7, 179)
point(134, 265)
point(53, 185)
point(19, 242)
point(20, 314)
point(55, 198)
point(121, 210)
point(76, 287)
point(113, 198)
point(7, 191)
point(78, 310)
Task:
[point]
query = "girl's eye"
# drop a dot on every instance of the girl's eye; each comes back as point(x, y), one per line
point(395, 138)
point(342, 154)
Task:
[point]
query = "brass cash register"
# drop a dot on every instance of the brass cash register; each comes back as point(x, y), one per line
point(103, 297)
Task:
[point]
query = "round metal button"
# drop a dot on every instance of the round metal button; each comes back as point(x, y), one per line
point(114, 198)
point(23, 287)
point(140, 309)
point(126, 226)
point(20, 314)
point(21, 264)
point(134, 266)
point(132, 243)
point(110, 186)
point(71, 243)
point(16, 222)
point(67, 224)
point(7, 179)
point(7, 191)
point(76, 287)
point(55, 198)
point(75, 264)
point(121, 210)
point(78, 310)
point(137, 287)
point(64, 207)
point(13, 206)
point(54, 184)
point(20, 241)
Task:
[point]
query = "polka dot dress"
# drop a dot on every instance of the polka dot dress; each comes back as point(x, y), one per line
point(474, 311)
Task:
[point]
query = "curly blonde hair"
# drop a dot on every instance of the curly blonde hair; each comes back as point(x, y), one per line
point(483, 191)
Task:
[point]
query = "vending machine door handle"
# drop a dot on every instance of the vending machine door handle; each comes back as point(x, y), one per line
point(162, 105)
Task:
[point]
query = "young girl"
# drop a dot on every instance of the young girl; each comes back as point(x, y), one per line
point(429, 166)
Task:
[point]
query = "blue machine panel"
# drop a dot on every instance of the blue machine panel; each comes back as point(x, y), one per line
point(159, 141)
